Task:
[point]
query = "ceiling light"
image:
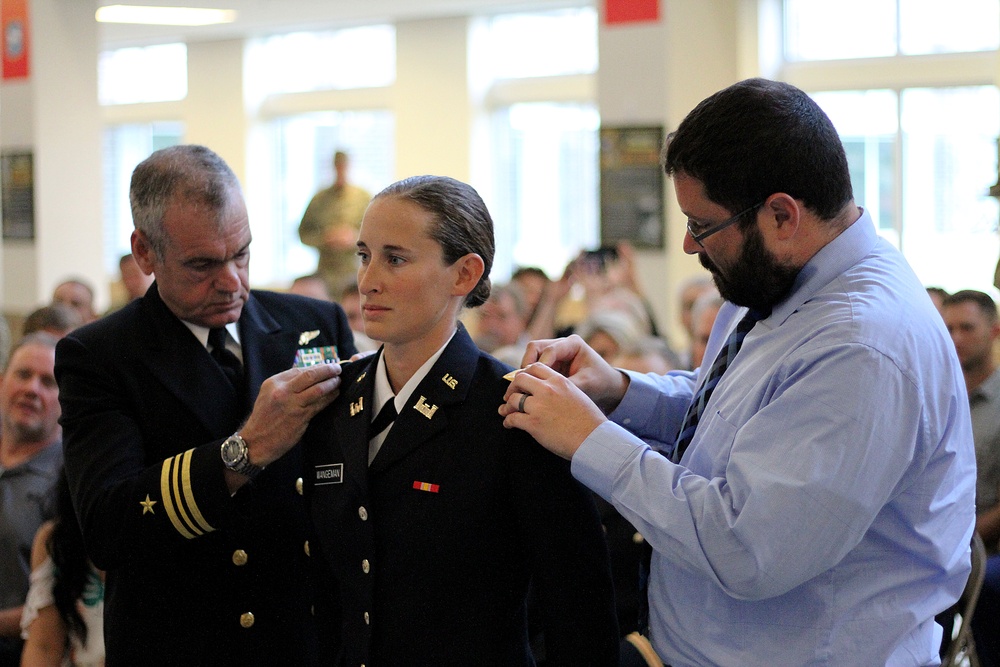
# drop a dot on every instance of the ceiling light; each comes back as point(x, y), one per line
point(164, 15)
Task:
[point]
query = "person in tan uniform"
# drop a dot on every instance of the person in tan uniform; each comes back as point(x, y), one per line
point(331, 223)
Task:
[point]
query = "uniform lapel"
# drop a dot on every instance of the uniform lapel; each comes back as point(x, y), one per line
point(426, 411)
point(182, 364)
point(267, 349)
point(357, 406)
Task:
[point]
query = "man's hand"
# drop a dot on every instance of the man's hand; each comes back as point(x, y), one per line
point(573, 358)
point(551, 408)
point(286, 403)
point(563, 393)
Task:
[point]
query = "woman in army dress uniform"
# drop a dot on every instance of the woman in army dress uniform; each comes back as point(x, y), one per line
point(429, 529)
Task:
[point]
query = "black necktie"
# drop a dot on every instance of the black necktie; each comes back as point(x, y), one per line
point(719, 366)
point(228, 361)
point(383, 419)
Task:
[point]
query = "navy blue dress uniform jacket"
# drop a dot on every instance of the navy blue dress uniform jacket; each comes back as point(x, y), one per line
point(194, 576)
point(424, 558)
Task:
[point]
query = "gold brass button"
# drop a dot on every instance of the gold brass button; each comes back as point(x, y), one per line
point(246, 620)
point(306, 547)
point(367, 619)
point(638, 538)
point(298, 485)
point(363, 513)
point(365, 566)
point(239, 557)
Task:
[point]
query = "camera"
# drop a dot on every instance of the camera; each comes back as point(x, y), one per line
point(600, 258)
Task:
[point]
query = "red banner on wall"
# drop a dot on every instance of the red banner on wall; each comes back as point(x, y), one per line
point(631, 11)
point(14, 22)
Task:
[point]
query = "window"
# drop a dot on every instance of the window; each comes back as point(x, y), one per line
point(300, 162)
point(540, 162)
point(338, 59)
point(147, 74)
point(921, 137)
point(125, 146)
point(881, 28)
point(547, 205)
point(544, 44)
point(925, 181)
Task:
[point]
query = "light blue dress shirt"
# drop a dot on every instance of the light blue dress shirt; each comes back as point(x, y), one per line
point(822, 514)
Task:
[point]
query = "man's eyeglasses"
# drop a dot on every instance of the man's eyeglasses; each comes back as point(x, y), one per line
point(700, 232)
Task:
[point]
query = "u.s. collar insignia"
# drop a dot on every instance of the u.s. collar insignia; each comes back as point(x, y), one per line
point(424, 409)
point(307, 336)
point(450, 381)
point(358, 407)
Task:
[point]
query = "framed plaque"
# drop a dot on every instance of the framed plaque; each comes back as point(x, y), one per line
point(632, 186)
point(18, 189)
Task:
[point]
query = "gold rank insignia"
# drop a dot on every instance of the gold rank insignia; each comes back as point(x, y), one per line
point(177, 494)
point(450, 381)
point(147, 505)
point(362, 376)
point(356, 408)
point(307, 336)
point(424, 409)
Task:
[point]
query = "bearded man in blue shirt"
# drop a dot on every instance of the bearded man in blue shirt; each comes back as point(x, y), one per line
point(808, 493)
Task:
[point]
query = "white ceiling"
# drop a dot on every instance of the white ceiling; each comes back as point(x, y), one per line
point(261, 17)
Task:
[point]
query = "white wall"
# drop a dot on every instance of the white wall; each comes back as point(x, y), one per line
point(431, 98)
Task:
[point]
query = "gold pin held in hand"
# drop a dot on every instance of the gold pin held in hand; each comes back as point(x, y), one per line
point(513, 374)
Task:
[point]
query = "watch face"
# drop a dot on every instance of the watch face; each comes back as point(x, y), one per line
point(232, 451)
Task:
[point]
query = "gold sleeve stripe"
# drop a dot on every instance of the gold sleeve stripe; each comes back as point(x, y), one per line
point(189, 493)
point(178, 497)
point(168, 501)
point(175, 488)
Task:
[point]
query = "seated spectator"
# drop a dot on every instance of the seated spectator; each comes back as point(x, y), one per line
point(312, 285)
point(972, 321)
point(938, 296)
point(63, 618)
point(350, 301)
point(57, 319)
point(649, 354)
point(703, 313)
point(30, 457)
point(78, 295)
point(503, 322)
point(688, 292)
point(609, 333)
point(533, 282)
point(133, 279)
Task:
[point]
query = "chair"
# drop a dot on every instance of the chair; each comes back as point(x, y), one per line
point(962, 647)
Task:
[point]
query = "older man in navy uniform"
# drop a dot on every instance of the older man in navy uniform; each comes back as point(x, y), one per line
point(167, 406)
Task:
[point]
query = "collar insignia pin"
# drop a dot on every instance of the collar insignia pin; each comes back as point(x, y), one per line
point(423, 408)
point(450, 381)
point(358, 407)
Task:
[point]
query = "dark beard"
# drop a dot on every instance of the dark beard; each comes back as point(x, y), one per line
point(757, 280)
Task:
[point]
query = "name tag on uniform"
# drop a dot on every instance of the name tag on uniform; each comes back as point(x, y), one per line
point(331, 473)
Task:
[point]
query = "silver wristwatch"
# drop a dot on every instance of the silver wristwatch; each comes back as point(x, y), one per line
point(236, 456)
